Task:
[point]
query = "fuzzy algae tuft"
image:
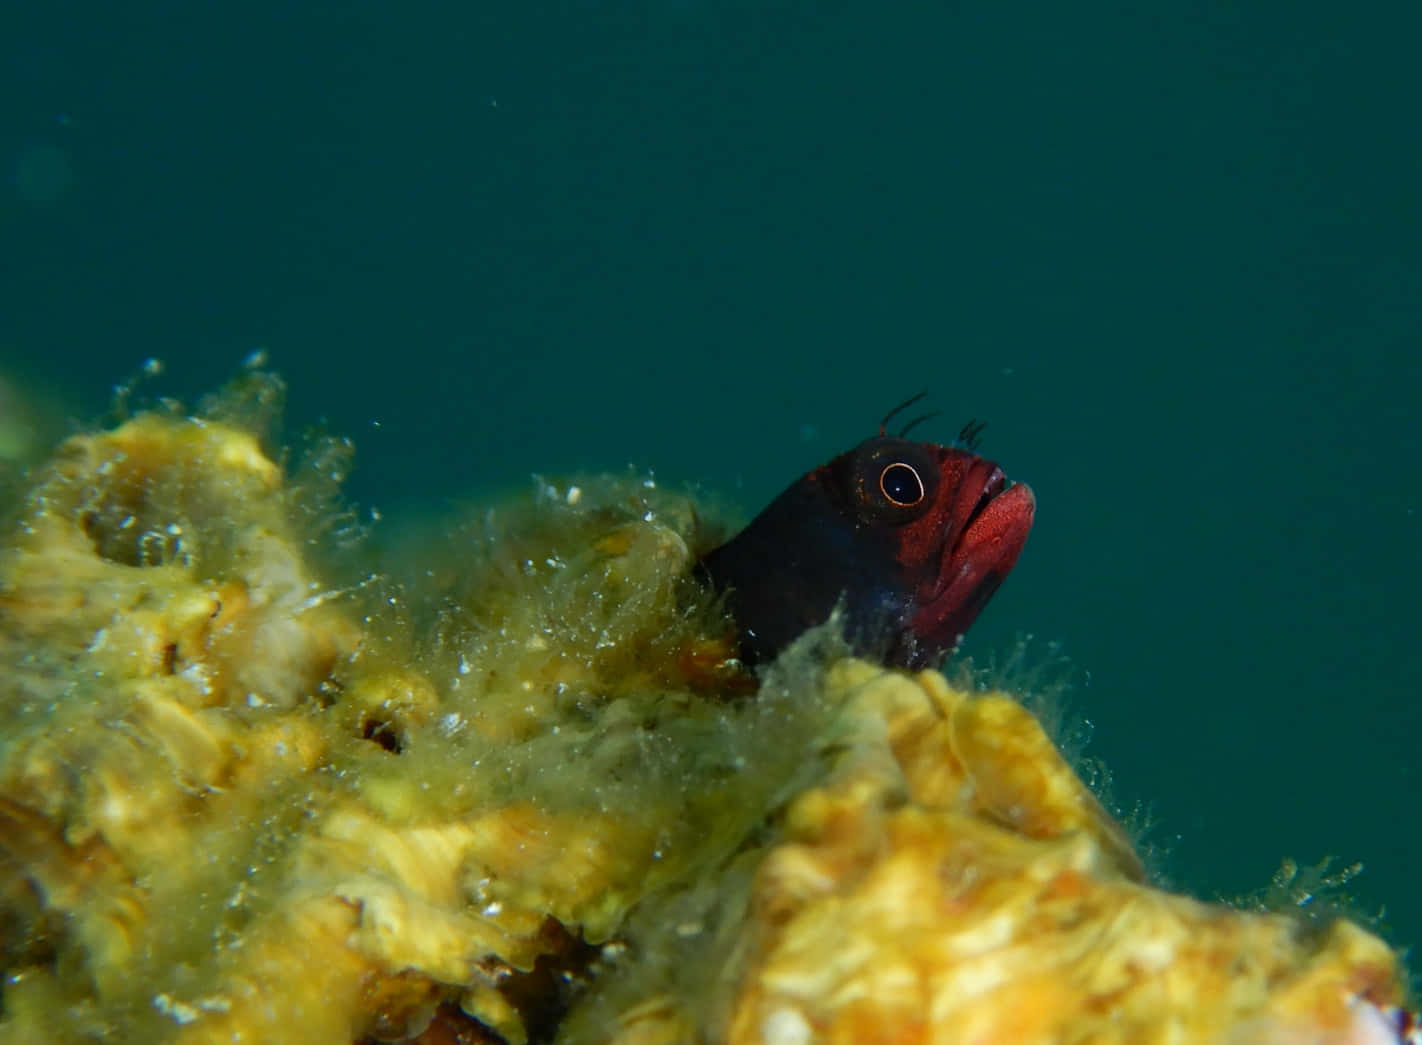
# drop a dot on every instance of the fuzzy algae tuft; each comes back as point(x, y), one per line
point(522, 795)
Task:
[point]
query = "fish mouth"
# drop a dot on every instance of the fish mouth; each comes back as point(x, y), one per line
point(991, 531)
point(995, 484)
point(982, 503)
point(994, 527)
point(992, 517)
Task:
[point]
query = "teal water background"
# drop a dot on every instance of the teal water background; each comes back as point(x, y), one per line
point(1171, 252)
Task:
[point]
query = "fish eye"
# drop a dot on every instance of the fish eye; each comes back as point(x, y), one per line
point(891, 482)
point(900, 484)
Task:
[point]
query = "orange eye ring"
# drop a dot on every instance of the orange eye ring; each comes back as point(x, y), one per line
point(901, 485)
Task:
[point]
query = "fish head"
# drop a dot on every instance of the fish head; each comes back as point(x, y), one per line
point(953, 522)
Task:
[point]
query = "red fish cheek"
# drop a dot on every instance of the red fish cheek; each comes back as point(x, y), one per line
point(922, 550)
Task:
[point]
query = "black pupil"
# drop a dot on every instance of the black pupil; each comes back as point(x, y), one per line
point(901, 484)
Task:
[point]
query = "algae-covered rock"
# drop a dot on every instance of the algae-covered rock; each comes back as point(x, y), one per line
point(513, 787)
point(951, 880)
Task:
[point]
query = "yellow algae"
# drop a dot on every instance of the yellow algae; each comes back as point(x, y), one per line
point(519, 792)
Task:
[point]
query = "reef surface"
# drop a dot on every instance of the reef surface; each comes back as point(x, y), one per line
point(513, 787)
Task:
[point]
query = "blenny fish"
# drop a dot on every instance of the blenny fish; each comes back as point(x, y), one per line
point(911, 538)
